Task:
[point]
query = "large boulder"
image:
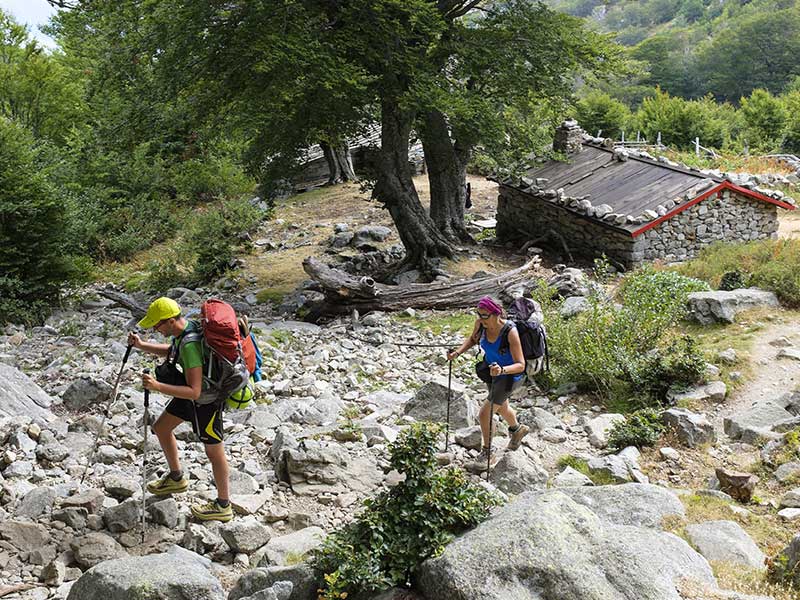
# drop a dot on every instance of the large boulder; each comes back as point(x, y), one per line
point(637, 504)
point(94, 548)
point(162, 576)
point(304, 582)
point(430, 404)
point(721, 306)
point(725, 541)
point(83, 393)
point(518, 472)
point(292, 546)
point(549, 546)
point(19, 395)
point(691, 429)
point(758, 421)
point(316, 466)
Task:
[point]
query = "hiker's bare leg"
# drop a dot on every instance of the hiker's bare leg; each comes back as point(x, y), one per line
point(219, 467)
point(508, 414)
point(483, 418)
point(163, 429)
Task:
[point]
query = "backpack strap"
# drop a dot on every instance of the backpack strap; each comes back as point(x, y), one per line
point(505, 345)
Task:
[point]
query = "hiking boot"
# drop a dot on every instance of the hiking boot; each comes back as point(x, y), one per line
point(479, 465)
point(516, 436)
point(212, 511)
point(167, 485)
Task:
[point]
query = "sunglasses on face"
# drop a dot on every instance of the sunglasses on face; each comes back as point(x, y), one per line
point(483, 316)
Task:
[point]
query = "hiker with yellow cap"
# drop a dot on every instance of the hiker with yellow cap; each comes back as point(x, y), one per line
point(181, 376)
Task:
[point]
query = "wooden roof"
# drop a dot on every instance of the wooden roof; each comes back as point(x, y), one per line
point(629, 187)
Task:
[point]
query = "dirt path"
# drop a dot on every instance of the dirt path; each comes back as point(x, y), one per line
point(772, 376)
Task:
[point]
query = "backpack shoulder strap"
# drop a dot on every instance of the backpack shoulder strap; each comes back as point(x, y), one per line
point(507, 326)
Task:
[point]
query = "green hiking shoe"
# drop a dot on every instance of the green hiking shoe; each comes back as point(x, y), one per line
point(166, 485)
point(211, 511)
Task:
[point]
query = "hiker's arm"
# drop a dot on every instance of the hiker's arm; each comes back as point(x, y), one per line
point(190, 391)
point(149, 347)
point(473, 339)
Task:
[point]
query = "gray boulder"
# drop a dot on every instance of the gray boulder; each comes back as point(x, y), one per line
point(119, 486)
point(517, 472)
point(293, 546)
point(304, 582)
point(636, 504)
point(725, 541)
point(691, 429)
point(36, 503)
point(85, 392)
point(163, 576)
point(122, 517)
point(573, 306)
point(23, 535)
point(200, 539)
point(245, 535)
point(598, 428)
point(164, 512)
point(758, 420)
point(539, 419)
point(316, 466)
point(369, 234)
point(592, 559)
point(569, 477)
point(708, 308)
point(19, 395)
point(94, 548)
point(430, 404)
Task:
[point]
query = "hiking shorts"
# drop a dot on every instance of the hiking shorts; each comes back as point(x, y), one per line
point(209, 418)
point(501, 390)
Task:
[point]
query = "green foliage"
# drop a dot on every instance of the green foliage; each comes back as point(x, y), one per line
point(32, 261)
point(610, 351)
point(214, 236)
point(681, 121)
point(765, 118)
point(641, 428)
point(768, 264)
point(679, 364)
point(400, 528)
point(732, 280)
point(597, 111)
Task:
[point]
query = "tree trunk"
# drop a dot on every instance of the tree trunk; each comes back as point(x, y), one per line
point(447, 174)
point(395, 189)
point(340, 166)
point(345, 292)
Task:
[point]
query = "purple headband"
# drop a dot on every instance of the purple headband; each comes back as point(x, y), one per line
point(489, 305)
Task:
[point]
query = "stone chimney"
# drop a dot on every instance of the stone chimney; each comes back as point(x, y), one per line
point(568, 138)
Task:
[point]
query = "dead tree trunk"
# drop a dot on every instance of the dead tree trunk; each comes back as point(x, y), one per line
point(344, 292)
point(340, 165)
point(447, 174)
point(395, 190)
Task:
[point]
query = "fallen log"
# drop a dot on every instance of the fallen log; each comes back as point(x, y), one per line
point(137, 310)
point(345, 292)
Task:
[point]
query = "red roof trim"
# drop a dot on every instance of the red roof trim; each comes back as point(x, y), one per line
point(725, 185)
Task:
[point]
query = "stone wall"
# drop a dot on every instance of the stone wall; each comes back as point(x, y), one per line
point(525, 216)
point(729, 217)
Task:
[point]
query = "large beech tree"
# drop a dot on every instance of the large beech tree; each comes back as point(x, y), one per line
point(290, 73)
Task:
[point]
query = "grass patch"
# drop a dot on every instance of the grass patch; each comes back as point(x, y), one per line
point(768, 264)
point(582, 466)
point(729, 162)
point(750, 581)
point(271, 295)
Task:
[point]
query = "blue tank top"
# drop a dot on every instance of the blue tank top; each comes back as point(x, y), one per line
point(493, 354)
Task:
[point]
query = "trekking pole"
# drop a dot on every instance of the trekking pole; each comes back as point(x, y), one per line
point(449, 394)
point(491, 425)
point(105, 411)
point(146, 422)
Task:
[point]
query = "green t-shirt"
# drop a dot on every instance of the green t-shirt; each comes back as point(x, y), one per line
point(191, 354)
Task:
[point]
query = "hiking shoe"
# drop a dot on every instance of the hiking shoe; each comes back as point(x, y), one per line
point(167, 485)
point(480, 464)
point(211, 511)
point(516, 436)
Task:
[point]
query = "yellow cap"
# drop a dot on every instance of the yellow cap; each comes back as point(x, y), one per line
point(160, 309)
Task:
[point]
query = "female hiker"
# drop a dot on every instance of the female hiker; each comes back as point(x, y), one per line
point(505, 363)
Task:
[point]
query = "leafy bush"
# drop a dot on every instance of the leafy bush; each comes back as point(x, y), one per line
point(210, 178)
point(599, 111)
point(32, 262)
point(732, 280)
point(612, 351)
point(400, 528)
point(641, 428)
point(768, 264)
point(214, 236)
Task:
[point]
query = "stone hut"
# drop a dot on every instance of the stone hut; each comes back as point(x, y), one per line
point(630, 206)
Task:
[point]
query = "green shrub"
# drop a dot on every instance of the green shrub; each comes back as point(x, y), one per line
point(32, 261)
point(732, 280)
point(610, 350)
point(641, 428)
point(680, 364)
point(209, 178)
point(768, 264)
point(400, 528)
point(214, 236)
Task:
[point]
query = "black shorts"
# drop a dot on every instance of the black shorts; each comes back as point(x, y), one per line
point(502, 389)
point(209, 418)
